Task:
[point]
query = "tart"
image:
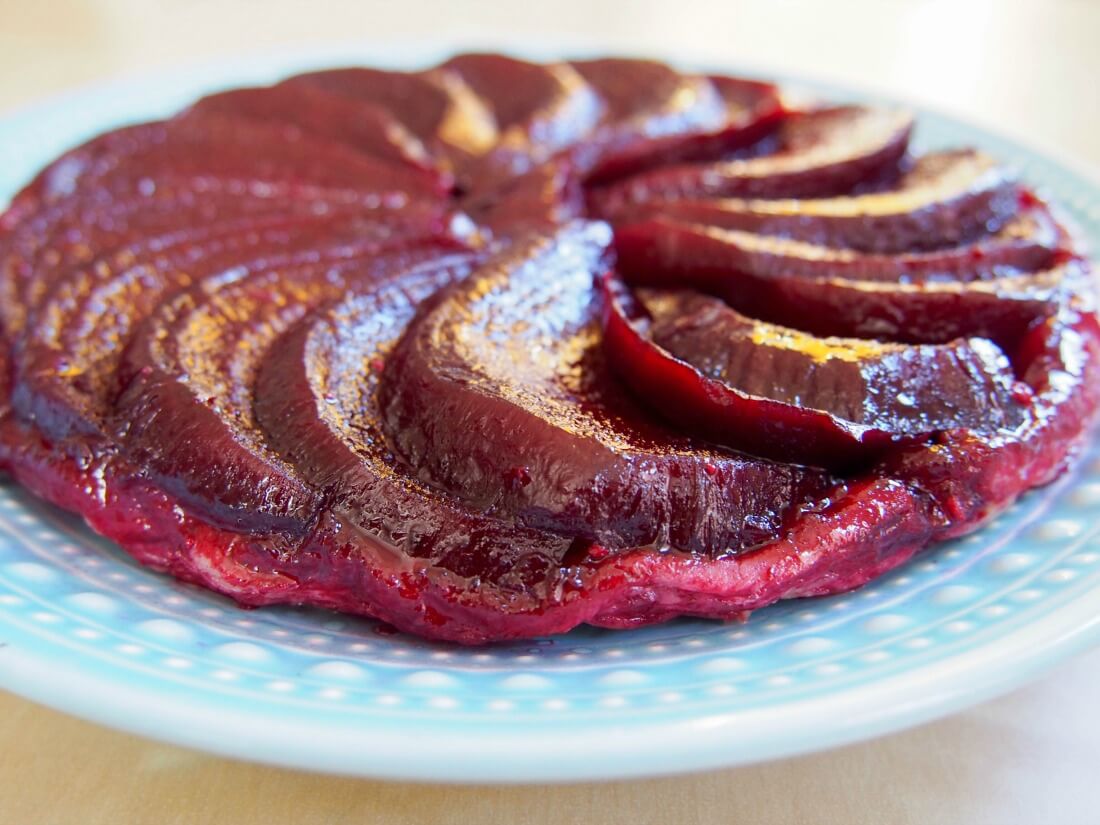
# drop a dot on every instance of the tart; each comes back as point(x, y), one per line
point(495, 349)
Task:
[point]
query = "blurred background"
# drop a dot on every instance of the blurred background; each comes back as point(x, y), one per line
point(1027, 65)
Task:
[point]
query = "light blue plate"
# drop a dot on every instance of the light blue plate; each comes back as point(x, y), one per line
point(82, 628)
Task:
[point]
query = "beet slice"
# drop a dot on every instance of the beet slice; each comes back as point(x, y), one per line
point(929, 297)
point(945, 199)
point(214, 145)
point(648, 96)
point(1002, 309)
point(319, 407)
point(751, 111)
point(970, 477)
point(49, 243)
point(1028, 242)
point(546, 103)
point(436, 105)
point(649, 110)
point(364, 126)
point(65, 367)
point(539, 111)
point(764, 388)
point(500, 393)
point(744, 96)
point(185, 411)
point(886, 520)
point(545, 197)
point(415, 555)
point(820, 153)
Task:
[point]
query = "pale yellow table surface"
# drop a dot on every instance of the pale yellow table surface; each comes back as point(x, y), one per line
point(1032, 757)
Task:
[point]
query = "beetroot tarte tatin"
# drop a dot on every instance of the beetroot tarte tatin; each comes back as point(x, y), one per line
point(496, 349)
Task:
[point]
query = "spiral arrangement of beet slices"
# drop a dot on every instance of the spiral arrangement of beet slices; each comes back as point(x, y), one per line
point(497, 348)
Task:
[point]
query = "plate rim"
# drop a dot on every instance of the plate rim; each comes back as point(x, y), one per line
point(919, 695)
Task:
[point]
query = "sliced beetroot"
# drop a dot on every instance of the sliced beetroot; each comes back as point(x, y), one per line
point(65, 367)
point(185, 411)
point(925, 296)
point(364, 126)
point(1002, 309)
point(218, 146)
point(319, 408)
point(968, 477)
point(436, 105)
point(723, 413)
point(873, 389)
point(295, 488)
point(746, 97)
point(554, 111)
point(819, 153)
point(945, 199)
point(646, 91)
point(543, 198)
point(649, 110)
point(538, 109)
point(51, 242)
point(751, 112)
point(500, 393)
point(700, 253)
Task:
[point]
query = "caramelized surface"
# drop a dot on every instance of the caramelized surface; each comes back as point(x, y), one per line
point(902, 391)
point(361, 340)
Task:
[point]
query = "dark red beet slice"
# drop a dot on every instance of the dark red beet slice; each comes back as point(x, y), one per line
point(49, 243)
point(186, 408)
point(745, 97)
point(751, 112)
point(946, 199)
point(420, 558)
point(531, 101)
point(890, 520)
point(930, 296)
point(547, 196)
point(436, 105)
point(539, 110)
point(875, 393)
point(364, 126)
point(650, 97)
point(1028, 242)
point(820, 153)
point(971, 477)
point(1002, 309)
point(218, 146)
point(500, 394)
point(649, 110)
point(66, 363)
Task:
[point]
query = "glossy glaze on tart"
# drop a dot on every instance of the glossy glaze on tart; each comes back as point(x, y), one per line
point(495, 349)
